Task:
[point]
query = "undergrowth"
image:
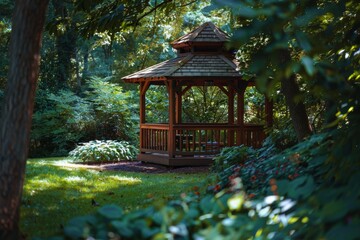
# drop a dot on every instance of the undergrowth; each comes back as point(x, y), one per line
point(295, 194)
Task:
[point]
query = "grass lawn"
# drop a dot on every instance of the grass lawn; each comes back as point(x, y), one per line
point(54, 194)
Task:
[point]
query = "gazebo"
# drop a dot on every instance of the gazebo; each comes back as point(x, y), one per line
point(202, 60)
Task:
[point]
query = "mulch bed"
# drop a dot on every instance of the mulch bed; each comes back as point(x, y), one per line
point(137, 166)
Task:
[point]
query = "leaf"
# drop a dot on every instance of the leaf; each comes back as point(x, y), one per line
point(350, 231)
point(247, 12)
point(308, 64)
point(111, 211)
point(336, 210)
point(122, 228)
point(303, 41)
point(206, 204)
point(73, 232)
point(227, 3)
point(309, 15)
point(301, 187)
point(149, 232)
point(206, 10)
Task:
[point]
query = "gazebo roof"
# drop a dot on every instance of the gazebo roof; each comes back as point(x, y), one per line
point(206, 33)
point(208, 62)
point(188, 65)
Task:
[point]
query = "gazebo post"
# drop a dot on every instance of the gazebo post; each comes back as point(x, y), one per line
point(241, 87)
point(172, 117)
point(178, 111)
point(144, 86)
point(231, 97)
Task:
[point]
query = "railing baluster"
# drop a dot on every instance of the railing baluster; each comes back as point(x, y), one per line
point(193, 139)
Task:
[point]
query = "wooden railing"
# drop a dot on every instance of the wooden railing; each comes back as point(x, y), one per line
point(198, 139)
point(154, 138)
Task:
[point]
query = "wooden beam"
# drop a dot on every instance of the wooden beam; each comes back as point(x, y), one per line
point(224, 90)
point(187, 88)
point(144, 86)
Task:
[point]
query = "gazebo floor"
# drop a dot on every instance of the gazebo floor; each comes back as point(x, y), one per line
point(164, 159)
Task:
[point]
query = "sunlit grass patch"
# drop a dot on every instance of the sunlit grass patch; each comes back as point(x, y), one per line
point(53, 194)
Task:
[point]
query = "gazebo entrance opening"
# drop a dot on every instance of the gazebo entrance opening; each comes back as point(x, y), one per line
point(202, 63)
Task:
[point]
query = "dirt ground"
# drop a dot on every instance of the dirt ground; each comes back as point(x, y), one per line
point(137, 166)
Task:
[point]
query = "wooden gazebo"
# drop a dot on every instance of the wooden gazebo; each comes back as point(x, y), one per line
point(202, 60)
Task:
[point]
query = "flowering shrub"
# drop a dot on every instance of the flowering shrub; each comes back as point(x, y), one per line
point(103, 151)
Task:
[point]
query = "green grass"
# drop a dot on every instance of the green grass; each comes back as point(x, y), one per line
point(54, 194)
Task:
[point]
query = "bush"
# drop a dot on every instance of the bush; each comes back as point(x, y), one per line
point(65, 118)
point(115, 110)
point(230, 156)
point(283, 135)
point(103, 151)
point(60, 121)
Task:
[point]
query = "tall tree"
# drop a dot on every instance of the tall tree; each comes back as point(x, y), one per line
point(65, 42)
point(290, 89)
point(27, 27)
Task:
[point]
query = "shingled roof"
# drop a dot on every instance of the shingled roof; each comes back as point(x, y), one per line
point(189, 65)
point(206, 33)
point(201, 63)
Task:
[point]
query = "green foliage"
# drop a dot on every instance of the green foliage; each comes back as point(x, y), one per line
point(104, 151)
point(64, 120)
point(268, 163)
point(157, 105)
point(304, 29)
point(283, 135)
point(230, 156)
point(300, 181)
point(204, 105)
point(254, 106)
point(116, 110)
point(278, 196)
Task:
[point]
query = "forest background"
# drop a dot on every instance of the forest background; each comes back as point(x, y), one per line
point(80, 94)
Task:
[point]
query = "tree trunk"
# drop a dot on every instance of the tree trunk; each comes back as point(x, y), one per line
point(290, 89)
point(27, 27)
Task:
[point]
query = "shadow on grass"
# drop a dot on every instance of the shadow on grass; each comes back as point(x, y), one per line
point(54, 194)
